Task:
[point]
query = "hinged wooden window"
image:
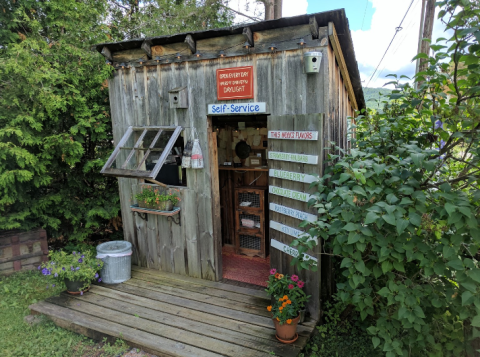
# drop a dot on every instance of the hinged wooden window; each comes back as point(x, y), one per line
point(142, 151)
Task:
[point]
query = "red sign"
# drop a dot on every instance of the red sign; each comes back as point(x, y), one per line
point(235, 83)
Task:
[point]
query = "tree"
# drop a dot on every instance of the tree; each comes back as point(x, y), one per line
point(401, 210)
point(273, 9)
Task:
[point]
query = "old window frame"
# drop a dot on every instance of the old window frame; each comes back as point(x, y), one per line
point(138, 173)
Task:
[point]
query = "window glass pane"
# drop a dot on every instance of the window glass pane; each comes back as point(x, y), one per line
point(157, 150)
point(123, 153)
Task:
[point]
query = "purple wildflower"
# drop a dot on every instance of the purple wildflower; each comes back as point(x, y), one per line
point(80, 260)
point(83, 256)
point(438, 124)
point(47, 286)
point(442, 144)
point(71, 268)
point(56, 275)
point(51, 263)
point(81, 292)
point(96, 275)
point(45, 271)
point(63, 268)
point(77, 268)
point(39, 267)
point(99, 280)
point(53, 285)
point(74, 253)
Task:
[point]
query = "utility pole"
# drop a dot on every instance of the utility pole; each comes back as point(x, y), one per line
point(426, 29)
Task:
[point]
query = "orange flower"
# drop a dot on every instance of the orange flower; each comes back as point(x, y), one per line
point(289, 321)
point(269, 308)
point(277, 275)
point(280, 299)
point(280, 276)
point(280, 308)
point(289, 302)
point(285, 297)
point(278, 319)
point(284, 304)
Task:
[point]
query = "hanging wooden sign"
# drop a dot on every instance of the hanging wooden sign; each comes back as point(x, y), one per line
point(235, 83)
point(289, 250)
point(303, 216)
point(293, 232)
point(292, 176)
point(237, 108)
point(300, 158)
point(293, 135)
point(285, 192)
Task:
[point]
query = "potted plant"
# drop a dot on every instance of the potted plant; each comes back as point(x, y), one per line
point(288, 300)
point(153, 198)
point(78, 270)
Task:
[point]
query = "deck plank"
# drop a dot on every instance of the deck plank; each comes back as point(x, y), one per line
point(213, 284)
point(212, 300)
point(268, 345)
point(202, 289)
point(156, 328)
point(88, 325)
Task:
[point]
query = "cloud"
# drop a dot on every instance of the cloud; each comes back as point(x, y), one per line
point(370, 45)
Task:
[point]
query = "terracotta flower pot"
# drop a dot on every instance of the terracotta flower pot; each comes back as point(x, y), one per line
point(287, 333)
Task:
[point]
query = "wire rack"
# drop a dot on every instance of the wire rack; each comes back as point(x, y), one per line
point(249, 221)
point(249, 199)
point(250, 242)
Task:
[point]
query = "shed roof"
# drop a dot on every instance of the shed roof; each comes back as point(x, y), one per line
point(338, 18)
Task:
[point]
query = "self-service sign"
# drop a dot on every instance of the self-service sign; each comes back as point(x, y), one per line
point(235, 83)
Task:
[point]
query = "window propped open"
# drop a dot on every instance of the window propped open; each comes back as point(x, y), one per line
point(141, 152)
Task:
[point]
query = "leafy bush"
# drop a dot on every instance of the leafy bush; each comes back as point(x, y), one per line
point(338, 337)
point(401, 210)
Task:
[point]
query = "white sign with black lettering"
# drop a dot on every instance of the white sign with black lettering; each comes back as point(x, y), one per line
point(285, 192)
point(292, 157)
point(293, 135)
point(304, 216)
point(292, 176)
point(289, 250)
point(296, 233)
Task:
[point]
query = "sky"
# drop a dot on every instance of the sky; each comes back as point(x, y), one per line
point(372, 23)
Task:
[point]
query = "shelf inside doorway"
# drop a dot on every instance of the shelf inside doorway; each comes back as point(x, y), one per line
point(243, 168)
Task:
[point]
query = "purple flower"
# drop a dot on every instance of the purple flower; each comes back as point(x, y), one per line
point(53, 285)
point(83, 256)
point(438, 124)
point(77, 268)
point(74, 253)
point(71, 268)
point(81, 292)
point(99, 280)
point(51, 263)
point(96, 275)
point(45, 271)
point(39, 267)
point(442, 144)
point(47, 286)
point(63, 268)
point(56, 275)
point(80, 260)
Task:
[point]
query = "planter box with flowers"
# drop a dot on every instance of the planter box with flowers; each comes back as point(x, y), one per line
point(288, 302)
point(77, 270)
point(155, 199)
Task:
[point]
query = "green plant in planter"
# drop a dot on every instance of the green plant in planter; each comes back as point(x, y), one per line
point(288, 296)
point(153, 197)
point(82, 267)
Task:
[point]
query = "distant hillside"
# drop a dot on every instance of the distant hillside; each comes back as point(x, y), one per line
point(373, 95)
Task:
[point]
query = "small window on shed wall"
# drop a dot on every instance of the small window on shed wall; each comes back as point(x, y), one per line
point(141, 152)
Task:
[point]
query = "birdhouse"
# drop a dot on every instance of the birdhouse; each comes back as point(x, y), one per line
point(178, 98)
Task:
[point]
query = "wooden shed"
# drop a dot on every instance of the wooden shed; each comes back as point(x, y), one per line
point(264, 100)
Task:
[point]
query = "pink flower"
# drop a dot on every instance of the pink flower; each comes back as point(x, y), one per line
point(300, 284)
point(294, 277)
point(291, 286)
point(273, 271)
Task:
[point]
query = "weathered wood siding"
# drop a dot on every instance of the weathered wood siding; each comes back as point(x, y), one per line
point(139, 96)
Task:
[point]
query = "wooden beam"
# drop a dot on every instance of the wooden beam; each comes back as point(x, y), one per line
point(147, 47)
point(247, 33)
point(106, 53)
point(312, 21)
point(191, 43)
point(332, 35)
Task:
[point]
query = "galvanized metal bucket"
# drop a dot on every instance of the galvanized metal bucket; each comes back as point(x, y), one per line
point(312, 61)
point(117, 261)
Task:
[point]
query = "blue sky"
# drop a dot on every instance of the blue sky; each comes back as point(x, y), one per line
point(359, 12)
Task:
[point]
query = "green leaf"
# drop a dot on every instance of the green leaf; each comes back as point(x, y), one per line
point(351, 227)
point(378, 168)
point(475, 275)
point(467, 298)
point(353, 238)
point(476, 321)
point(387, 266)
point(346, 262)
point(418, 311)
point(465, 211)
point(417, 159)
point(359, 190)
point(415, 219)
point(375, 341)
point(360, 266)
point(450, 208)
point(371, 217)
point(399, 266)
point(455, 264)
point(391, 198)
point(402, 224)
point(344, 177)
point(389, 218)
point(377, 272)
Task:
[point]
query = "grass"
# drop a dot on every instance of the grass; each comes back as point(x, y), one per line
point(18, 339)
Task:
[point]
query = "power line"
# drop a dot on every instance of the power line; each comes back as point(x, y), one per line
point(397, 29)
point(364, 13)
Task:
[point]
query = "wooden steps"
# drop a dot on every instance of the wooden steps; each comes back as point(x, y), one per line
point(172, 315)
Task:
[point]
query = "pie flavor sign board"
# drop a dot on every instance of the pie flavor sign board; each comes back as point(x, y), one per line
point(235, 83)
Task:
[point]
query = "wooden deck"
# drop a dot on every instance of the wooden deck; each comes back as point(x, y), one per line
point(172, 315)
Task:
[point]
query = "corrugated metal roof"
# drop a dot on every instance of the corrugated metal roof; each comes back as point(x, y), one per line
point(338, 18)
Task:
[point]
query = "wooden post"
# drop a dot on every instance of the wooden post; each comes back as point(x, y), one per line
point(191, 43)
point(426, 32)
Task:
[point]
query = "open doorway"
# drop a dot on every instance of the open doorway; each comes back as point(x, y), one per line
point(242, 143)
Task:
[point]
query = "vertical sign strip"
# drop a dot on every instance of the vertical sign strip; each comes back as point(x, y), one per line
point(295, 195)
point(296, 233)
point(304, 216)
point(289, 250)
point(292, 176)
